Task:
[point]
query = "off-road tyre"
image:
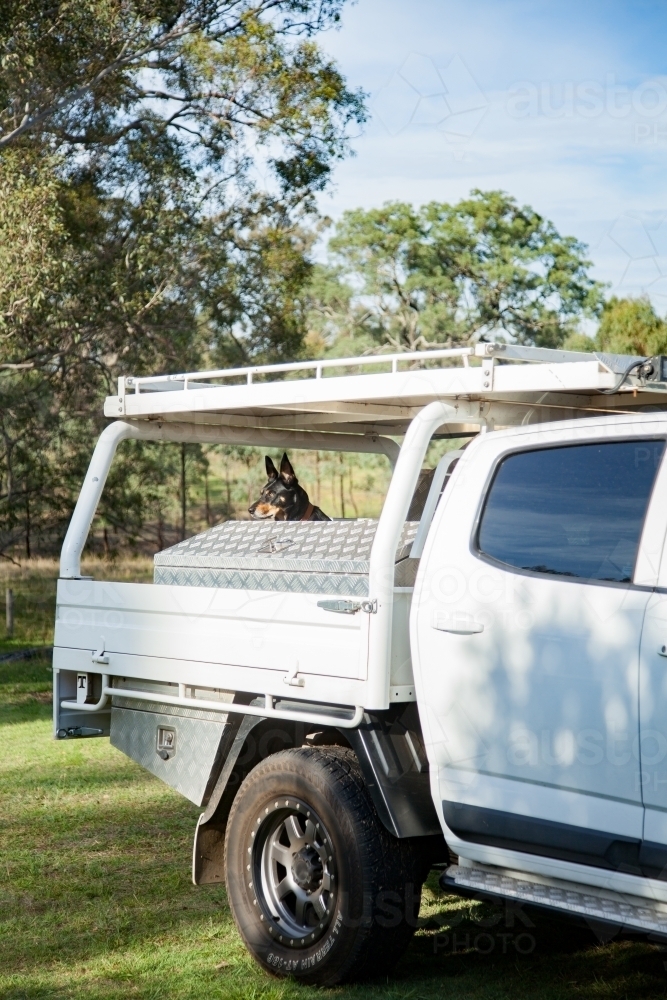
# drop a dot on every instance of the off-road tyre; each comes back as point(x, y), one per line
point(356, 889)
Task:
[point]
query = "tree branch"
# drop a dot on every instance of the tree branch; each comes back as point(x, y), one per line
point(30, 122)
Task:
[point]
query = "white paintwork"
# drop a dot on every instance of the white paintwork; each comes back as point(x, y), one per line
point(385, 543)
point(265, 711)
point(538, 713)
point(237, 640)
point(400, 669)
point(413, 388)
point(653, 719)
point(260, 642)
point(363, 397)
point(189, 380)
point(244, 628)
point(653, 706)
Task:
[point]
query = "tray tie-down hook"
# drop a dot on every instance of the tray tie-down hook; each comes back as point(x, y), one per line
point(99, 656)
point(292, 677)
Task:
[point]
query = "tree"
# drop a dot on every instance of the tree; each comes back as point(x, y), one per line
point(155, 117)
point(631, 326)
point(447, 274)
point(158, 162)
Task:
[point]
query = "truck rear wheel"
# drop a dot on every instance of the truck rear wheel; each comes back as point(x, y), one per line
point(318, 888)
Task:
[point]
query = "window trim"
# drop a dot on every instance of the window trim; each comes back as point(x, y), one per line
point(479, 553)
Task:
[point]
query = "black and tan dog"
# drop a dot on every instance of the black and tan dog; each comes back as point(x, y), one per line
point(282, 499)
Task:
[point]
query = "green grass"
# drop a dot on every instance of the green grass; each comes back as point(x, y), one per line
point(96, 900)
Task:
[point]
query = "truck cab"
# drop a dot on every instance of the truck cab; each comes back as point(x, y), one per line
point(537, 649)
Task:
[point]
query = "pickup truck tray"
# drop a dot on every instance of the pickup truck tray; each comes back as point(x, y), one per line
point(311, 557)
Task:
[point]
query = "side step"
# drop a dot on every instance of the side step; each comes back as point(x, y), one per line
point(598, 905)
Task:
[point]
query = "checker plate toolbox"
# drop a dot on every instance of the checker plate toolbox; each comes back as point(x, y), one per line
point(314, 628)
point(317, 557)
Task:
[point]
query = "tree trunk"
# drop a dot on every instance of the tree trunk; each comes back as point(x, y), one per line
point(352, 500)
point(183, 494)
point(27, 524)
point(9, 612)
point(160, 530)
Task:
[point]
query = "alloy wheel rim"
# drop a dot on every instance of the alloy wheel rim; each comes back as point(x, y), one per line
point(294, 872)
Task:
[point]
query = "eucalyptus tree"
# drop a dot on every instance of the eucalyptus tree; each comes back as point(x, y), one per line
point(439, 275)
point(158, 169)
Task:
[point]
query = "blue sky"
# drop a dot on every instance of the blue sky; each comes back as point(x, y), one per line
point(562, 104)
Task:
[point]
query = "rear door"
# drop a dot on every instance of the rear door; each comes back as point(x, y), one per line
point(653, 718)
point(527, 621)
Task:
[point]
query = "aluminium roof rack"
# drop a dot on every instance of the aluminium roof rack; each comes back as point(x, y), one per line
point(381, 393)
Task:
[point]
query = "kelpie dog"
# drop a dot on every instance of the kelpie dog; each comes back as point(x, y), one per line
point(282, 499)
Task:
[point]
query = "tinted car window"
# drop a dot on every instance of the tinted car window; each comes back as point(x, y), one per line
point(576, 511)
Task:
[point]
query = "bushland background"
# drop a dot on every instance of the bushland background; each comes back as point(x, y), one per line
point(160, 162)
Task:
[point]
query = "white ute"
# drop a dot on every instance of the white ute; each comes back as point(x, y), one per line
point(477, 680)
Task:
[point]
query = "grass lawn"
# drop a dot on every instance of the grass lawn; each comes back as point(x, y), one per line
point(96, 900)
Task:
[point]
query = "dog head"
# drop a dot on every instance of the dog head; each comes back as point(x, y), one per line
point(282, 496)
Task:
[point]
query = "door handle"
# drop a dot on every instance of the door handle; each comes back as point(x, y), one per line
point(457, 622)
point(662, 651)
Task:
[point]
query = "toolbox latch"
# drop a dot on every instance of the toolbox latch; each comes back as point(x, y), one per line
point(349, 607)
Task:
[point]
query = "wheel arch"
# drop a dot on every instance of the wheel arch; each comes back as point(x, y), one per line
point(388, 746)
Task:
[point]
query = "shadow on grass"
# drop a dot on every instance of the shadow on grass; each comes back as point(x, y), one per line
point(519, 951)
point(98, 904)
point(157, 923)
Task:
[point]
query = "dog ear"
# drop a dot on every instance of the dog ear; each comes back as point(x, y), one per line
point(271, 470)
point(287, 473)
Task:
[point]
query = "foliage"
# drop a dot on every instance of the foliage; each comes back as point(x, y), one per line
point(442, 275)
point(158, 166)
point(631, 326)
point(156, 118)
point(627, 326)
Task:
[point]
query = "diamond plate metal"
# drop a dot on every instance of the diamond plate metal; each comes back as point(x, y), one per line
point(134, 732)
point(586, 901)
point(314, 557)
point(161, 709)
point(346, 584)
